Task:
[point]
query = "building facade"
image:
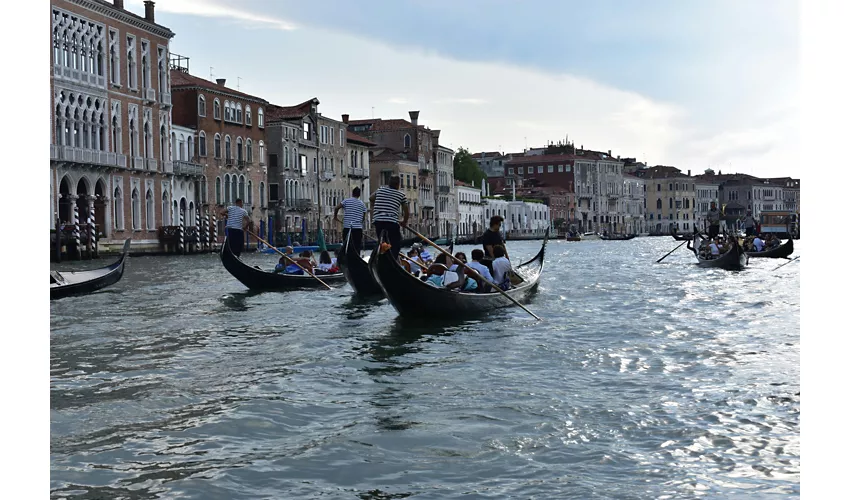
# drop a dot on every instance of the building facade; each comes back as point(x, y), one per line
point(446, 193)
point(110, 156)
point(670, 198)
point(470, 212)
point(228, 155)
point(634, 201)
point(706, 191)
point(384, 164)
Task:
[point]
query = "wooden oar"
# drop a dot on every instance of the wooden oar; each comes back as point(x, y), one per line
point(671, 251)
point(785, 264)
point(291, 260)
point(460, 263)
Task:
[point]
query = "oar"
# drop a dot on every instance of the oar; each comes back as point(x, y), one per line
point(671, 251)
point(460, 263)
point(790, 261)
point(291, 260)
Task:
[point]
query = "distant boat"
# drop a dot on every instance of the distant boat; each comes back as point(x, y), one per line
point(780, 252)
point(69, 283)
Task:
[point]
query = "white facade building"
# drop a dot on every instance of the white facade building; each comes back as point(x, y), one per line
point(446, 198)
point(634, 205)
point(470, 212)
point(706, 192)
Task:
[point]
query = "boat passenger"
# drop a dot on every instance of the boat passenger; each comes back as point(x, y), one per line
point(501, 268)
point(413, 265)
point(714, 247)
point(423, 254)
point(758, 243)
point(326, 263)
point(435, 275)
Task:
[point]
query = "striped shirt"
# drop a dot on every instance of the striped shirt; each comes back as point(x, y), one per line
point(388, 202)
point(234, 216)
point(354, 212)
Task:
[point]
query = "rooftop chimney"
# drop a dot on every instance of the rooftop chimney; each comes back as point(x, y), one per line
point(689, 172)
point(119, 4)
point(220, 81)
point(414, 117)
point(148, 10)
point(609, 152)
point(345, 119)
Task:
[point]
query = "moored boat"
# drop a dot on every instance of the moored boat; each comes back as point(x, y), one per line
point(412, 297)
point(258, 279)
point(780, 252)
point(734, 259)
point(356, 272)
point(617, 237)
point(64, 284)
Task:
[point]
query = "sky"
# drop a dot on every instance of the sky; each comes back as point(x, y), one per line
point(688, 83)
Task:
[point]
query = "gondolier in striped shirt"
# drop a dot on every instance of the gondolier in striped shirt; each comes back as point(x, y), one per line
point(237, 220)
point(353, 218)
point(384, 205)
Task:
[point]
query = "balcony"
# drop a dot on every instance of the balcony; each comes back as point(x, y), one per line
point(299, 205)
point(150, 95)
point(357, 172)
point(168, 167)
point(425, 168)
point(165, 98)
point(240, 164)
point(138, 163)
point(121, 161)
point(326, 175)
point(444, 189)
point(80, 155)
point(151, 165)
point(182, 167)
point(228, 162)
point(426, 203)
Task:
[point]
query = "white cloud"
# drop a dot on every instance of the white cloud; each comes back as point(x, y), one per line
point(397, 100)
point(206, 8)
point(468, 100)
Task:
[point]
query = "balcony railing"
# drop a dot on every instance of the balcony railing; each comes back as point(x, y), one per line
point(357, 172)
point(426, 203)
point(240, 163)
point(228, 162)
point(121, 161)
point(150, 95)
point(444, 189)
point(151, 164)
point(168, 167)
point(182, 167)
point(298, 204)
point(165, 98)
point(81, 155)
point(326, 175)
point(138, 163)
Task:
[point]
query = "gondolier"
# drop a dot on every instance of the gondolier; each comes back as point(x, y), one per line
point(354, 215)
point(713, 217)
point(749, 223)
point(384, 205)
point(237, 220)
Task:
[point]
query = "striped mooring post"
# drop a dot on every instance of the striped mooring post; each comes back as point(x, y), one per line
point(180, 246)
point(77, 232)
point(203, 239)
point(92, 246)
point(197, 232)
point(214, 233)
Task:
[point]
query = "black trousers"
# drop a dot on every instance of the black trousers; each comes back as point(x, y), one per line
point(393, 235)
point(750, 231)
point(713, 231)
point(356, 237)
point(236, 240)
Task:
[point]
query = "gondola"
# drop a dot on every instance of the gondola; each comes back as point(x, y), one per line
point(574, 238)
point(780, 252)
point(680, 237)
point(257, 279)
point(617, 237)
point(734, 259)
point(356, 272)
point(81, 282)
point(412, 297)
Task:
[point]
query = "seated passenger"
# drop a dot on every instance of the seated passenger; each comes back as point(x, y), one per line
point(501, 268)
point(476, 264)
point(715, 248)
point(326, 263)
point(758, 243)
point(435, 275)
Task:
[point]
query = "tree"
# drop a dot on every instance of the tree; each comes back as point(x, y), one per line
point(466, 169)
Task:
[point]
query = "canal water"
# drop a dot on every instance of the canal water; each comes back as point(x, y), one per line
point(643, 381)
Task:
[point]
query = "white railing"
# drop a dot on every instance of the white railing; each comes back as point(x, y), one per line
point(138, 163)
point(327, 175)
point(168, 167)
point(187, 168)
point(151, 165)
point(166, 98)
point(121, 160)
point(54, 152)
point(150, 95)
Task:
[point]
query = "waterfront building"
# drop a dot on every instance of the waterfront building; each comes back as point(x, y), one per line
point(706, 191)
point(227, 158)
point(385, 163)
point(446, 194)
point(110, 119)
point(470, 211)
point(634, 202)
point(670, 198)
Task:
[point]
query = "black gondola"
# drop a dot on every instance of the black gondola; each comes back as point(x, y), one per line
point(412, 297)
point(81, 282)
point(618, 237)
point(257, 279)
point(734, 259)
point(780, 252)
point(356, 272)
point(680, 237)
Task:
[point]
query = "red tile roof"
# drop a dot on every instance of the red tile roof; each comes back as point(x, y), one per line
point(351, 136)
point(544, 159)
point(277, 113)
point(380, 125)
point(183, 79)
point(461, 183)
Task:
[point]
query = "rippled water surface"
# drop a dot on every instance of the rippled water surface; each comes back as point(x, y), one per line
point(644, 381)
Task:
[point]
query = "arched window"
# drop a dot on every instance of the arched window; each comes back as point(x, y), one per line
point(216, 109)
point(233, 193)
point(166, 219)
point(227, 111)
point(136, 209)
point(407, 140)
point(249, 151)
point(227, 189)
point(202, 106)
point(247, 115)
point(262, 153)
point(227, 147)
point(658, 204)
point(149, 212)
point(286, 158)
point(118, 209)
point(250, 193)
point(163, 143)
point(217, 146)
point(262, 194)
point(218, 190)
point(671, 202)
point(190, 148)
point(181, 147)
point(239, 113)
point(241, 194)
point(239, 149)
point(202, 144)
point(260, 122)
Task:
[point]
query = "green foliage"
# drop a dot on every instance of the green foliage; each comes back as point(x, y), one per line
point(466, 169)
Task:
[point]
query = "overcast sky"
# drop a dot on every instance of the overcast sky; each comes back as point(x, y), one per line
point(686, 83)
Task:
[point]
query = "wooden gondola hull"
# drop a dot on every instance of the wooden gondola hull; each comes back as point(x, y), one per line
point(257, 279)
point(780, 252)
point(83, 282)
point(357, 274)
point(414, 298)
point(733, 260)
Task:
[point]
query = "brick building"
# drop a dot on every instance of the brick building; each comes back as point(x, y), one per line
point(228, 158)
point(110, 118)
